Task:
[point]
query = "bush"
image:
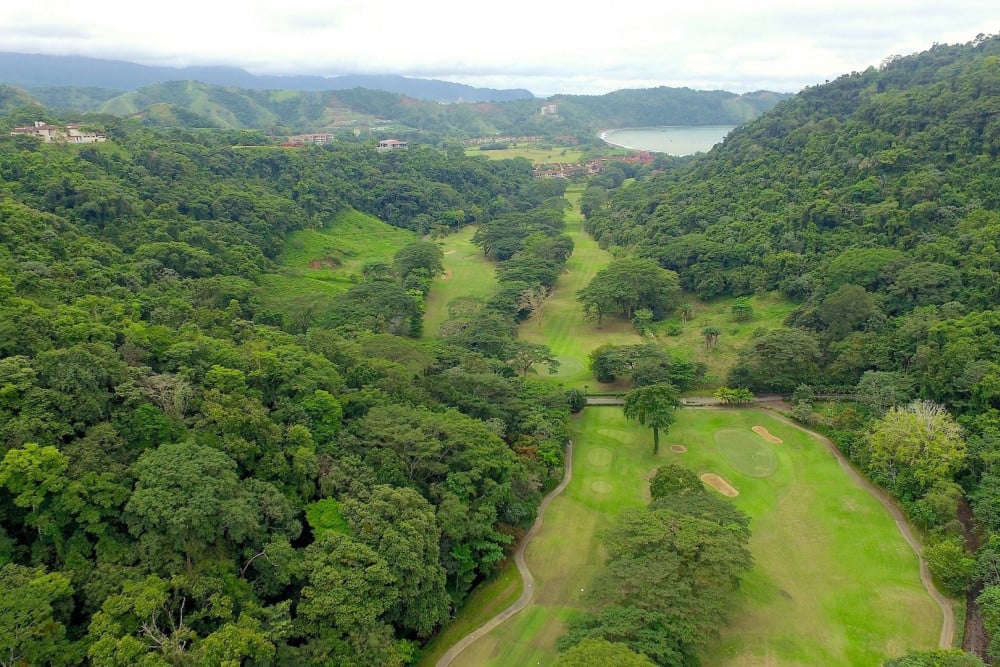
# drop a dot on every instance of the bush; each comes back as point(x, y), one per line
point(577, 400)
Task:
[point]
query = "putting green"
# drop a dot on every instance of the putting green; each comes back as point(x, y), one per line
point(746, 452)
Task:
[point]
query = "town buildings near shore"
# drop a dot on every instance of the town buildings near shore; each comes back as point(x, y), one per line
point(71, 134)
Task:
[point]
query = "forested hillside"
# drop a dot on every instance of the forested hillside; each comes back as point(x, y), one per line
point(576, 115)
point(189, 477)
point(873, 202)
point(193, 104)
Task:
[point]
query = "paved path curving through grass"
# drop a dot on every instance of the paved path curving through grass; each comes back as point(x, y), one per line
point(948, 624)
point(522, 568)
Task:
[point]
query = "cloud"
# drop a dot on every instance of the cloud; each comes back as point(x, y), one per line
point(548, 47)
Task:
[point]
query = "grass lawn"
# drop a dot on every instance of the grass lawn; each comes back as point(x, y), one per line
point(563, 327)
point(564, 155)
point(318, 264)
point(467, 273)
point(834, 581)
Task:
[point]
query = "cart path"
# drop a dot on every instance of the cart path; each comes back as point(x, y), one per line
point(522, 569)
point(947, 612)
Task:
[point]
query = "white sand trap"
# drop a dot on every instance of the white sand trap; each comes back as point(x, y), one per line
point(763, 432)
point(719, 484)
point(680, 449)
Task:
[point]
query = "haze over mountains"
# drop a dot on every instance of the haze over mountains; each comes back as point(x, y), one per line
point(24, 69)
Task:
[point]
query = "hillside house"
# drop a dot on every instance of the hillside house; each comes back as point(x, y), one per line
point(320, 139)
point(72, 133)
point(392, 145)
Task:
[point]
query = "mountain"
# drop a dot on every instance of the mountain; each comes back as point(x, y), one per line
point(30, 70)
point(11, 98)
point(580, 116)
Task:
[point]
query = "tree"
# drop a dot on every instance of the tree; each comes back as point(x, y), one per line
point(598, 652)
point(914, 447)
point(711, 335)
point(400, 526)
point(673, 480)
point(533, 301)
point(881, 390)
point(777, 360)
point(642, 320)
point(522, 357)
point(849, 307)
point(667, 584)
point(420, 255)
point(187, 498)
point(31, 631)
point(626, 285)
point(654, 406)
point(951, 564)
point(742, 309)
point(34, 475)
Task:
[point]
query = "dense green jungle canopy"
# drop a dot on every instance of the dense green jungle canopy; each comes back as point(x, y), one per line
point(190, 477)
point(874, 202)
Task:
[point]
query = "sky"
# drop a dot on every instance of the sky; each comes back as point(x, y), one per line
point(546, 46)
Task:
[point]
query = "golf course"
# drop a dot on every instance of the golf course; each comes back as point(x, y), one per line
point(835, 582)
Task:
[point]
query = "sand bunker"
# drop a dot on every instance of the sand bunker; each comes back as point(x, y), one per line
point(600, 487)
point(762, 432)
point(719, 484)
point(680, 449)
point(447, 275)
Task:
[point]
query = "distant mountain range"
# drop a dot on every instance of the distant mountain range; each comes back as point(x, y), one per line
point(31, 70)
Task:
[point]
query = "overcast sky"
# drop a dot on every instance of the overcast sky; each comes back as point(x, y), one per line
point(546, 46)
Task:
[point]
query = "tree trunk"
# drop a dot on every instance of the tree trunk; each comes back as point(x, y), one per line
point(656, 440)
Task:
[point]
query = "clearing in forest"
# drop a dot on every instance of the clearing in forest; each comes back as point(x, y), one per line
point(834, 581)
point(468, 273)
point(317, 264)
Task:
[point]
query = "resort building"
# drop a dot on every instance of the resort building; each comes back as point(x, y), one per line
point(72, 134)
point(392, 145)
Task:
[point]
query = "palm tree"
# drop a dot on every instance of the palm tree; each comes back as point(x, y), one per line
point(654, 406)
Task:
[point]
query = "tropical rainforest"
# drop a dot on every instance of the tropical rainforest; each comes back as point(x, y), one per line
point(187, 470)
point(191, 475)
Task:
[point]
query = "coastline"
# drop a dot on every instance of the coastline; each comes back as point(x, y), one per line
point(690, 139)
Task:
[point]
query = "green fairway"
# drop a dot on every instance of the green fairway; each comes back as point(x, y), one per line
point(467, 273)
point(563, 326)
point(834, 581)
point(553, 155)
point(317, 264)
